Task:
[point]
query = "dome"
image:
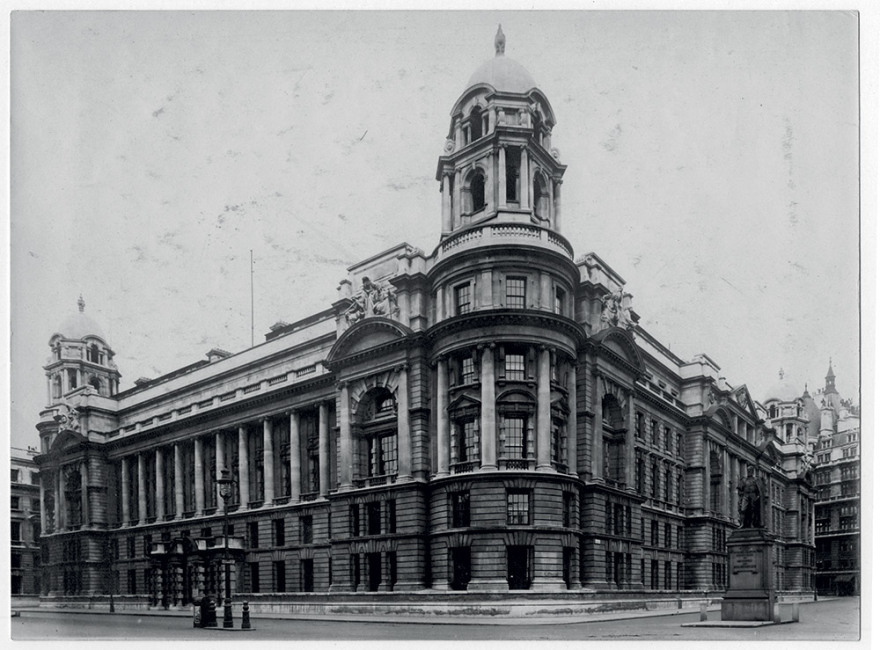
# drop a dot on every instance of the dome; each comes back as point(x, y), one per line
point(502, 73)
point(783, 390)
point(79, 325)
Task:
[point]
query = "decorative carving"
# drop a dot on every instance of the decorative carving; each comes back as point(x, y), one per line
point(448, 146)
point(372, 300)
point(67, 417)
point(749, 489)
point(616, 310)
point(500, 42)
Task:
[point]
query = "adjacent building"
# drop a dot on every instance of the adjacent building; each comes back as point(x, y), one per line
point(488, 416)
point(24, 495)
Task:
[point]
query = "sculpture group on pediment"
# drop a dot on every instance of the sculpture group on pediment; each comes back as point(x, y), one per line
point(67, 417)
point(372, 300)
point(616, 310)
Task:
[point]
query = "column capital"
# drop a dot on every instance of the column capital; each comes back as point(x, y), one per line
point(402, 367)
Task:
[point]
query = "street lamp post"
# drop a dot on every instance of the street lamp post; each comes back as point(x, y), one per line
point(224, 485)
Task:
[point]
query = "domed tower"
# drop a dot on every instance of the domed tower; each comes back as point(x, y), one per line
point(80, 358)
point(498, 164)
point(504, 343)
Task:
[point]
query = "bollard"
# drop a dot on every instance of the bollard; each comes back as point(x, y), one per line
point(197, 615)
point(245, 616)
point(704, 616)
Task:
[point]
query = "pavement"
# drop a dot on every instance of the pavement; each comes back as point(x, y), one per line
point(435, 619)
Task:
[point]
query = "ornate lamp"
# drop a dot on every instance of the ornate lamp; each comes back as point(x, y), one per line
point(224, 487)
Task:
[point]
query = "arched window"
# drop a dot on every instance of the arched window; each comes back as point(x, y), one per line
point(95, 383)
point(377, 442)
point(474, 193)
point(94, 355)
point(475, 124)
point(773, 411)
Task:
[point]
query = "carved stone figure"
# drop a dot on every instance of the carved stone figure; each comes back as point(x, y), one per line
point(616, 310)
point(749, 490)
point(372, 300)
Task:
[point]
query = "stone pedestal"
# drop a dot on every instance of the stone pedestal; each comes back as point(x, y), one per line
point(751, 595)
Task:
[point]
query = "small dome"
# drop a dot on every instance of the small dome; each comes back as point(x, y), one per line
point(783, 390)
point(502, 73)
point(79, 325)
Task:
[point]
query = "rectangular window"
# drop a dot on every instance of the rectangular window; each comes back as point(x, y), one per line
point(15, 503)
point(278, 528)
point(254, 570)
point(374, 518)
point(16, 531)
point(305, 529)
point(518, 507)
point(559, 301)
point(466, 445)
point(462, 299)
point(460, 509)
point(307, 571)
point(667, 535)
point(279, 578)
point(513, 429)
point(132, 581)
point(655, 533)
point(467, 375)
point(15, 474)
point(392, 515)
point(354, 518)
point(148, 545)
point(254, 534)
point(516, 293)
point(515, 367)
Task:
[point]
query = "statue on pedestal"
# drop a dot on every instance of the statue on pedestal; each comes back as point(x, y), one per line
point(749, 490)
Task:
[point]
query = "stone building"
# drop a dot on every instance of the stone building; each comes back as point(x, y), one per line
point(24, 538)
point(488, 416)
point(830, 426)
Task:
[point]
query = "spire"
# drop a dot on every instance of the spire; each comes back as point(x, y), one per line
point(500, 41)
point(81, 303)
point(830, 370)
point(829, 380)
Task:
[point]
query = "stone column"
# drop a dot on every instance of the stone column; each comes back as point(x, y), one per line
point(446, 204)
point(43, 514)
point(244, 472)
point(442, 418)
point(630, 464)
point(324, 449)
point(524, 200)
point(160, 484)
point(456, 200)
point(502, 177)
point(487, 410)
point(404, 441)
point(544, 421)
point(178, 481)
point(268, 464)
point(84, 494)
point(489, 192)
point(572, 422)
point(295, 462)
point(596, 459)
point(199, 475)
point(551, 204)
point(344, 438)
point(142, 488)
point(725, 487)
point(126, 510)
point(557, 205)
point(707, 477)
point(219, 454)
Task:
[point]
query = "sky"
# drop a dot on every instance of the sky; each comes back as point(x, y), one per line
point(713, 162)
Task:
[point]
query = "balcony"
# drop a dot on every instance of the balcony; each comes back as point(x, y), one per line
point(373, 481)
point(506, 235)
point(516, 463)
point(465, 466)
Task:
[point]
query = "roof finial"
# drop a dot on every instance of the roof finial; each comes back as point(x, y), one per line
point(81, 303)
point(500, 40)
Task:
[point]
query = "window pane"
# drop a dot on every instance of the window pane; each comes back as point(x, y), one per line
point(517, 507)
point(515, 366)
point(463, 299)
point(467, 370)
point(516, 293)
point(513, 429)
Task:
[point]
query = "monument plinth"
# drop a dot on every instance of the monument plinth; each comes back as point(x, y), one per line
point(751, 595)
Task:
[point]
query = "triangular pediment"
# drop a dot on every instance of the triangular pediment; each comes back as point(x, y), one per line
point(619, 344)
point(463, 402)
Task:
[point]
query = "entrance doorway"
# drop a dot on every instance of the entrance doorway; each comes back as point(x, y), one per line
point(460, 560)
point(519, 567)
